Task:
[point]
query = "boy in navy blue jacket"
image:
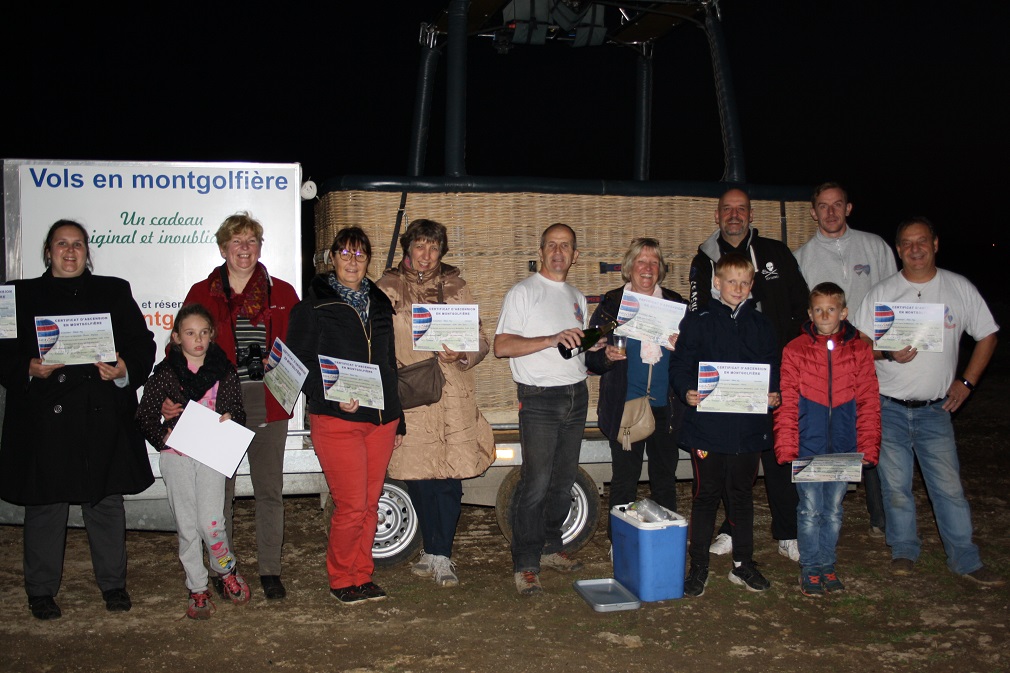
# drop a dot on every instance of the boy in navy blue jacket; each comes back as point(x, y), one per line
point(725, 447)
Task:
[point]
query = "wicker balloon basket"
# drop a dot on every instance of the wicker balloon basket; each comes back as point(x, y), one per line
point(494, 240)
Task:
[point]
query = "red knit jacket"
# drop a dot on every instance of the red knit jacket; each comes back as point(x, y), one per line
point(282, 299)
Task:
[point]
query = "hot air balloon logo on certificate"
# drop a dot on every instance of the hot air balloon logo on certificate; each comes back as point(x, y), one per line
point(733, 387)
point(455, 325)
point(346, 380)
point(75, 339)
point(917, 325)
point(648, 318)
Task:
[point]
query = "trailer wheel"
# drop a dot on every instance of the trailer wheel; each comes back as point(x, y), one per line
point(578, 528)
point(397, 535)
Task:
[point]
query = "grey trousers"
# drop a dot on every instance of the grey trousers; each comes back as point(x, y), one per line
point(196, 497)
point(45, 543)
point(266, 469)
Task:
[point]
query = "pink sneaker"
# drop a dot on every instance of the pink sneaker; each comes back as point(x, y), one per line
point(200, 605)
point(236, 589)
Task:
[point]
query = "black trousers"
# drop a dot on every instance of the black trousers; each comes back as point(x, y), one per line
point(716, 474)
point(782, 498)
point(874, 497)
point(661, 447)
point(45, 543)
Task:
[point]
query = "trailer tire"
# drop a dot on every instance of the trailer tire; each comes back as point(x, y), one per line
point(397, 534)
point(579, 527)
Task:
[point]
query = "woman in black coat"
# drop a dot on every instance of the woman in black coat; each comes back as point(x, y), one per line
point(69, 434)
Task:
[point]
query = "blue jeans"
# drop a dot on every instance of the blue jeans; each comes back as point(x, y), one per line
point(818, 522)
point(552, 421)
point(438, 506)
point(926, 434)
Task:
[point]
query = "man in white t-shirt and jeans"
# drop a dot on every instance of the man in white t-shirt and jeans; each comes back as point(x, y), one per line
point(918, 392)
point(539, 313)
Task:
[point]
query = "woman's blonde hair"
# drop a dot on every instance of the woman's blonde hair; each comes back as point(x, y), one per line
point(236, 224)
point(637, 246)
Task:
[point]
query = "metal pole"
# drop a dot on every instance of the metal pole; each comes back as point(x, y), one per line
point(422, 101)
point(643, 112)
point(731, 138)
point(455, 117)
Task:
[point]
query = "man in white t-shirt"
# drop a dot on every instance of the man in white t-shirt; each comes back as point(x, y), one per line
point(855, 261)
point(537, 315)
point(918, 393)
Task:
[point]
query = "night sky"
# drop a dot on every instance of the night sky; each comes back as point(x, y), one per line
point(903, 102)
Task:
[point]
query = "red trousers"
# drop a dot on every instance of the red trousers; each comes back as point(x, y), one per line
point(354, 457)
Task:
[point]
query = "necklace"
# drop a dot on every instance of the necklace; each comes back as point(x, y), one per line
point(918, 287)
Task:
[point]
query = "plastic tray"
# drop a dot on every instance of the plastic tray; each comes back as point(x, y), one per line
point(606, 595)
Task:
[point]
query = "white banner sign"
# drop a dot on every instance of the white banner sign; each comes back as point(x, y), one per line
point(153, 224)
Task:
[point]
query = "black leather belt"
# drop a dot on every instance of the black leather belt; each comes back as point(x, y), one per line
point(914, 404)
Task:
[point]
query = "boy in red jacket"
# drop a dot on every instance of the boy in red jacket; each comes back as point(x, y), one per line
point(830, 404)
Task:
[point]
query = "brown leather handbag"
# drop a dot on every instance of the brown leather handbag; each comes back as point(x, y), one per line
point(637, 421)
point(420, 384)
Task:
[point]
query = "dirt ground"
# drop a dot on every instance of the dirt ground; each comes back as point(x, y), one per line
point(933, 621)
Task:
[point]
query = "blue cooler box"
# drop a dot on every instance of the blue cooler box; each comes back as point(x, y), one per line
point(649, 557)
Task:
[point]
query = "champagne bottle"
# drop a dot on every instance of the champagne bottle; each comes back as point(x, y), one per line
point(589, 339)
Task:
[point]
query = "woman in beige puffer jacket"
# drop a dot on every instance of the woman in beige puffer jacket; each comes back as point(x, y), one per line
point(449, 440)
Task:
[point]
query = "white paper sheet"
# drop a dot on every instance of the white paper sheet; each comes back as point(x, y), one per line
point(202, 436)
point(733, 387)
point(75, 339)
point(346, 380)
point(455, 325)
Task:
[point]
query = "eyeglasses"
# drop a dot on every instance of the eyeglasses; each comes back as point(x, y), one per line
point(358, 255)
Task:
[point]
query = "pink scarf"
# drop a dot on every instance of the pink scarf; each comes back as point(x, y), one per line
point(651, 353)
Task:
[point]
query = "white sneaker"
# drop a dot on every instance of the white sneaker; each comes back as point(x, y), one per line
point(444, 571)
point(560, 561)
point(790, 549)
point(723, 544)
point(528, 583)
point(425, 566)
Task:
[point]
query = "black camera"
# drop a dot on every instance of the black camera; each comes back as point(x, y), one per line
point(252, 359)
